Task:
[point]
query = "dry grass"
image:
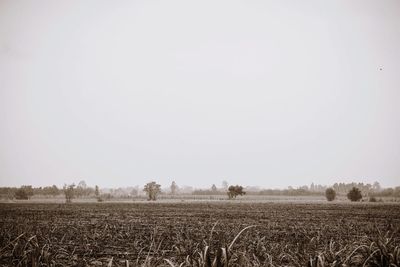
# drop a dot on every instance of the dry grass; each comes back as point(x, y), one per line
point(202, 234)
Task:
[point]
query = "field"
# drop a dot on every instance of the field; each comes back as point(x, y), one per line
point(200, 234)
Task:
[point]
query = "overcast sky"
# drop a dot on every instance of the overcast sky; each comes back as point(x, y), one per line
point(267, 93)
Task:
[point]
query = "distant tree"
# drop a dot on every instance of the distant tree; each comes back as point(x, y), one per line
point(82, 184)
point(152, 189)
point(234, 191)
point(134, 192)
point(336, 187)
point(376, 187)
point(174, 188)
point(25, 192)
point(96, 191)
point(21, 194)
point(330, 194)
point(312, 187)
point(225, 185)
point(54, 191)
point(80, 190)
point(214, 188)
point(69, 192)
point(28, 189)
point(354, 194)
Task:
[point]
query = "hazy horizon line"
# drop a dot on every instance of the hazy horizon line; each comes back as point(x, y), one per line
point(217, 184)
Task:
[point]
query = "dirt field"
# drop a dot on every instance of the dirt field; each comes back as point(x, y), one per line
point(200, 234)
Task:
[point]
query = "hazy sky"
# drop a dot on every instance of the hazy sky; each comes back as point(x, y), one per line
point(268, 93)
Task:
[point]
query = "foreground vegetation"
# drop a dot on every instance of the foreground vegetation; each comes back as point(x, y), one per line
point(200, 234)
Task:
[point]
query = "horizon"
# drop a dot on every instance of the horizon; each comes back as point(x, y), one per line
point(268, 93)
point(218, 185)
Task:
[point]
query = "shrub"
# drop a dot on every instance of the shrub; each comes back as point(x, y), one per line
point(330, 194)
point(372, 199)
point(234, 191)
point(24, 192)
point(21, 194)
point(354, 194)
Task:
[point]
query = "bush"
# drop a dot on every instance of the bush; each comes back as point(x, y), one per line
point(21, 194)
point(24, 192)
point(354, 194)
point(234, 191)
point(330, 194)
point(372, 199)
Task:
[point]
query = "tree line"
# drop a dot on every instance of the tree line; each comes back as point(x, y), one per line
point(152, 190)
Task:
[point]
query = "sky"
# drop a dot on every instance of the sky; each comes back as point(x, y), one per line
point(260, 93)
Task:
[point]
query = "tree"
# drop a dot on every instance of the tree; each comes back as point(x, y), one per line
point(330, 194)
point(376, 187)
point(21, 194)
point(312, 186)
point(234, 191)
point(24, 192)
point(174, 188)
point(134, 192)
point(214, 188)
point(82, 184)
point(69, 192)
point(354, 194)
point(54, 191)
point(81, 189)
point(152, 189)
point(29, 190)
point(96, 191)
point(225, 185)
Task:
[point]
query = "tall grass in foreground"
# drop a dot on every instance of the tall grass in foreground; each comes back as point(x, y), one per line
point(188, 235)
point(381, 250)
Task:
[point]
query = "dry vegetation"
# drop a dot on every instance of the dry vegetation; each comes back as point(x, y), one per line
point(200, 234)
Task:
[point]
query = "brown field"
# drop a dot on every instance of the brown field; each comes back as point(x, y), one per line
point(200, 234)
